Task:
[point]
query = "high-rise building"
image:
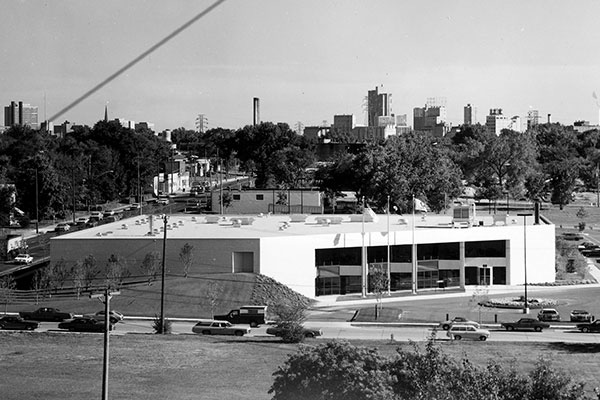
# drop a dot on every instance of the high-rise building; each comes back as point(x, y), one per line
point(470, 115)
point(496, 121)
point(431, 119)
point(201, 123)
point(344, 123)
point(533, 118)
point(21, 114)
point(256, 111)
point(378, 105)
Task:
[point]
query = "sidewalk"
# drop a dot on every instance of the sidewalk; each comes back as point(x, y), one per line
point(345, 301)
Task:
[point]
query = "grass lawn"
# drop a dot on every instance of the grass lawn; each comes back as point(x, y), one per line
point(57, 366)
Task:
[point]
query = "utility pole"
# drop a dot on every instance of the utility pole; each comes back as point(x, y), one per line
point(105, 298)
point(162, 286)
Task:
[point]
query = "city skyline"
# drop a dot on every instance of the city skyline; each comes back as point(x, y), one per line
point(305, 61)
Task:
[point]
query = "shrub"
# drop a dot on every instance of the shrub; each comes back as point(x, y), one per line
point(157, 325)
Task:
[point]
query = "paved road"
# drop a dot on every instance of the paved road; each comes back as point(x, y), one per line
point(346, 330)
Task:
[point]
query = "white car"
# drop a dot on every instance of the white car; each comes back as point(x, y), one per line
point(115, 316)
point(134, 206)
point(445, 325)
point(23, 259)
point(97, 215)
point(458, 332)
point(82, 220)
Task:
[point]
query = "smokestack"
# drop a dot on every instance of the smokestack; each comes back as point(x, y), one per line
point(256, 105)
point(549, 117)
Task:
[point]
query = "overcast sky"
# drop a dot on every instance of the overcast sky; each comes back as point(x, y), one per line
point(306, 60)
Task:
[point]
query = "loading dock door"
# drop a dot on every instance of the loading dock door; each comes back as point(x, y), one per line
point(243, 261)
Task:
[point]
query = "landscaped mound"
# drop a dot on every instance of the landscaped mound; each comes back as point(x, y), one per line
point(510, 302)
point(268, 291)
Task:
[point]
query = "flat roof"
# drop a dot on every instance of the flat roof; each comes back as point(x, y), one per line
point(266, 226)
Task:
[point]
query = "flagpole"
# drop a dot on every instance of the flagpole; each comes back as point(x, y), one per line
point(363, 253)
point(389, 281)
point(414, 250)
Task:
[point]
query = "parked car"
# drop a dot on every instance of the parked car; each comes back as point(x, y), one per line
point(548, 314)
point(115, 316)
point(46, 314)
point(214, 327)
point(98, 215)
point(163, 201)
point(62, 227)
point(589, 326)
point(16, 322)
point(81, 221)
point(23, 259)
point(572, 236)
point(134, 206)
point(306, 332)
point(457, 320)
point(91, 223)
point(458, 332)
point(84, 325)
point(580, 316)
point(108, 213)
point(525, 323)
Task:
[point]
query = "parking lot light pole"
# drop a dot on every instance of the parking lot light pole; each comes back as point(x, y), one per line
point(525, 215)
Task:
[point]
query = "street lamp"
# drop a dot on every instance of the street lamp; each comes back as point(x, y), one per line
point(525, 215)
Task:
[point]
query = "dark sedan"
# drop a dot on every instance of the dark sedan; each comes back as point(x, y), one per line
point(525, 324)
point(590, 326)
point(306, 332)
point(17, 323)
point(84, 325)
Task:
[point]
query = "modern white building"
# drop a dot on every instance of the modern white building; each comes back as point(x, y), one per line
point(332, 254)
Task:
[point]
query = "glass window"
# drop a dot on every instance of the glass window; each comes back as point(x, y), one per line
point(236, 197)
point(260, 197)
point(490, 248)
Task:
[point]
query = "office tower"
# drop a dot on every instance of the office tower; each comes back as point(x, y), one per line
point(432, 118)
point(496, 121)
point(21, 114)
point(378, 105)
point(470, 115)
point(533, 118)
point(256, 111)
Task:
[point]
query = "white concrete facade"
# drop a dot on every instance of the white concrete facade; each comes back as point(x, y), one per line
point(287, 251)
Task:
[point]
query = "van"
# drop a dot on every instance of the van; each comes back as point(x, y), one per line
point(253, 315)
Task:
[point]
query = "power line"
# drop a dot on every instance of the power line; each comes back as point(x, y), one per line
point(137, 59)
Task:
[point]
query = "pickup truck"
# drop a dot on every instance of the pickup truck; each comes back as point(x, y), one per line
point(525, 323)
point(46, 314)
point(253, 315)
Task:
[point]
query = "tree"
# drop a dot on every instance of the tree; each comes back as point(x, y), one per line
point(40, 282)
point(7, 288)
point(78, 277)
point(332, 371)
point(378, 280)
point(150, 266)
point(214, 291)
point(290, 317)
point(116, 272)
point(186, 255)
point(89, 270)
